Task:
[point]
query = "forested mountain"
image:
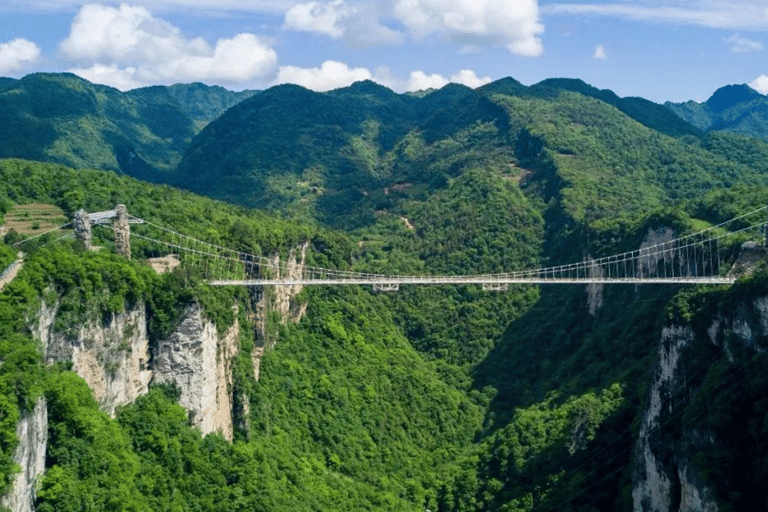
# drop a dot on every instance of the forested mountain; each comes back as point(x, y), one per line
point(64, 119)
point(646, 112)
point(450, 398)
point(733, 108)
point(340, 157)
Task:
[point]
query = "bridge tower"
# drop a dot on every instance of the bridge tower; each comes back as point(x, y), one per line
point(83, 228)
point(120, 225)
point(122, 231)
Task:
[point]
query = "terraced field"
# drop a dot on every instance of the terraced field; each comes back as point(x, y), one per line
point(31, 219)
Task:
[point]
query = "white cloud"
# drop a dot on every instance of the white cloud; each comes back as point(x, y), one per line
point(317, 17)
point(333, 74)
point(128, 45)
point(734, 14)
point(513, 23)
point(330, 75)
point(470, 79)
point(420, 81)
point(743, 45)
point(17, 53)
point(338, 19)
point(760, 84)
point(600, 53)
point(123, 79)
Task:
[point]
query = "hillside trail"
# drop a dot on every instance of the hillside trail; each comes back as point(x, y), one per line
point(10, 272)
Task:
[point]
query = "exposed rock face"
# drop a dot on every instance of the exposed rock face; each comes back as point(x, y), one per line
point(118, 363)
point(194, 359)
point(283, 301)
point(594, 290)
point(82, 225)
point(112, 358)
point(122, 231)
point(665, 477)
point(650, 259)
point(32, 431)
point(652, 489)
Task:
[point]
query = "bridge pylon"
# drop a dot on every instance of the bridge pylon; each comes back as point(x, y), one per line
point(120, 224)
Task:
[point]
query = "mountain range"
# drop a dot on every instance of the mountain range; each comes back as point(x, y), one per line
point(733, 108)
point(454, 398)
point(64, 119)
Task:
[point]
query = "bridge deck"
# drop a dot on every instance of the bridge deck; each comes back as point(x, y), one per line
point(471, 280)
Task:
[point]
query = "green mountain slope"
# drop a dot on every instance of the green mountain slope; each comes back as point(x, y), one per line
point(347, 414)
point(650, 114)
point(734, 108)
point(341, 157)
point(64, 119)
point(446, 398)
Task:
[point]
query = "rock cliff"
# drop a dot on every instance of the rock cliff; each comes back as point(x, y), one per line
point(32, 431)
point(679, 441)
point(282, 300)
point(112, 357)
point(199, 363)
point(118, 361)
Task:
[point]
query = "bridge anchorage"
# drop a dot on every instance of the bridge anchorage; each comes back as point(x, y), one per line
point(705, 257)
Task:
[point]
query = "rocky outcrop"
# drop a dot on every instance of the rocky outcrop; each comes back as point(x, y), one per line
point(654, 474)
point(283, 300)
point(113, 357)
point(665, 476)
point(32, 431)
point(200, 364)
point(118, 362)
point(594, 290)
point(82, 227)
point(651, 253)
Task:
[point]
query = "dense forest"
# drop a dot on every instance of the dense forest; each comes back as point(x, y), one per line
point(441, 398)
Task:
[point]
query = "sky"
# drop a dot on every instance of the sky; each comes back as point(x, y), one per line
point(661, 50)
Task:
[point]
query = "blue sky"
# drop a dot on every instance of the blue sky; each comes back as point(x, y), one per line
point(673, 50)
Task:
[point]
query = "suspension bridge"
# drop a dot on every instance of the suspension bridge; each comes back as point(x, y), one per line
point(704, 257)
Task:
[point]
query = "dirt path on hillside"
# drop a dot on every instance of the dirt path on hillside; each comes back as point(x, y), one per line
point(11, 271)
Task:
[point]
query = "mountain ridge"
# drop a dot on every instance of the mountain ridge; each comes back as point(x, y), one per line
point(732, 108)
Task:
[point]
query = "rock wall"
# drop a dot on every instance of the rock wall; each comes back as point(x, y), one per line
point(113, 358)
point(200, 364)
point(665, 477)
point(649, 259)
point(118, 363)
point(32, 431)
point(281, 300)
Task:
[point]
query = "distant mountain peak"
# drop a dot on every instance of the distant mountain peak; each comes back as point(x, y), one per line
point(367, 88)
point(729, 96)
point(506, 85)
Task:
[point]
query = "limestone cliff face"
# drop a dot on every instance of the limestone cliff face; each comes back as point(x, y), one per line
point(32, 431)
point(665, 477)
point(282, 300)
point(646, 264)
point(118, 362)
point(111, 357)
point(200, 365)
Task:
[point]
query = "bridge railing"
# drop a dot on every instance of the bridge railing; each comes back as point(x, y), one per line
point(702, 255)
